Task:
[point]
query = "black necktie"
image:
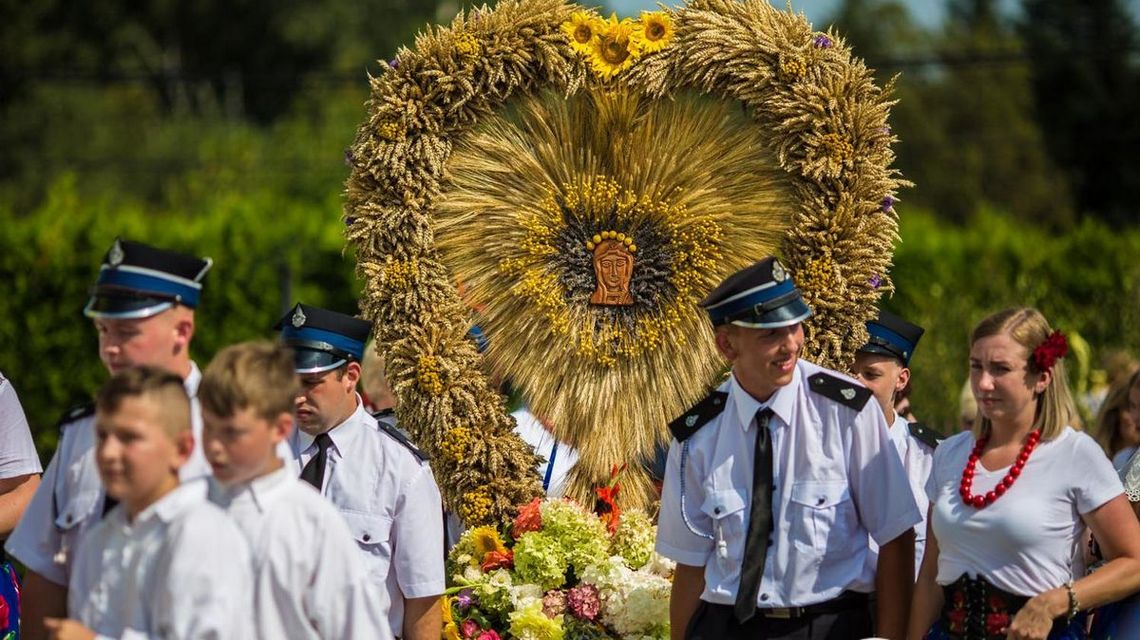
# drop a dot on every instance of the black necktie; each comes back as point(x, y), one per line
point(759, 521)
point(314, 471)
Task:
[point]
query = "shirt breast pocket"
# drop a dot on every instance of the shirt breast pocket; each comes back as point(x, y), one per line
point(823, 516)
point(726, 509)
point(371, 533)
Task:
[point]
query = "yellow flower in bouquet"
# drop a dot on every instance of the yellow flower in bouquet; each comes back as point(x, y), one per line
point(583, 28)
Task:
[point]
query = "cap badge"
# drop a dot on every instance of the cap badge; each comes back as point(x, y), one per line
point(115, 255)
point(848, 393)
point(778, 273)
point(690, 421)
point(299, 318)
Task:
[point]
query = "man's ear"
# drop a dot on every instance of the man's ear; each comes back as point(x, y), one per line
point(904, 378)
point(183, 328)
point(725, 343)
point(352, 374)
point(184, 446)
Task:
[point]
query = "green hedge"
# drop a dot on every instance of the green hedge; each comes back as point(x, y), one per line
point(947, 278)
point(49, 259)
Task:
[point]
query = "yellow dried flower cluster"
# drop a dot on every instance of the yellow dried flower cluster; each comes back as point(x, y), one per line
point(698, 252)
point(613, 45)
point(792, 69)
point(455, 444)
point(467, 45)
point(475, 506)
point(389, 130)
point(401, 275)
point(428, 375)
point(838, 148)
point(818, 275)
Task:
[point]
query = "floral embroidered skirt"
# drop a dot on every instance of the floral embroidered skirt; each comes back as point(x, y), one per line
point(974, 609)
point(9, 603)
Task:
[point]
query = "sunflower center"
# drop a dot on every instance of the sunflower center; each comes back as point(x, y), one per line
point(583, 33)
point(654, 31)
point(615, 51)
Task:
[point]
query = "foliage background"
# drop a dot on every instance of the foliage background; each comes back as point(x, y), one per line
point(220, 128)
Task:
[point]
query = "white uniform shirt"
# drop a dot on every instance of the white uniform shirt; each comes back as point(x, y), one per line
point(558, 457)
point(392, 505)
point(1024, 542)
point(917, 458)
point(832, 487)
point(69, 500)
point(180, 570)
point(17, 450)
point(308, 579)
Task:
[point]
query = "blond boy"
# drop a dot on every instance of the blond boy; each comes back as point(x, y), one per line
point(308, 580)
point(164, 562)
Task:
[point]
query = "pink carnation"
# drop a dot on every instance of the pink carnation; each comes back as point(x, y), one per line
point(469, 628)
point(554, 603)
point(583, 601)
point(489, 634)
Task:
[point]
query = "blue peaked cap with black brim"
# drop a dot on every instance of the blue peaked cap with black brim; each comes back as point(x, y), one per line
point(322, 340)
point(762, 296)
point(890, 335)
point(139, 281)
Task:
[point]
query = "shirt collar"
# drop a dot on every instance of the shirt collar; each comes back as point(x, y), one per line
point(781, 403)
point(343, 435)
point(191, 382)
point(169, 506)
point(261, 490)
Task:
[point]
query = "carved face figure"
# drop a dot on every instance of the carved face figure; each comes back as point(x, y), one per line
point(613, 269)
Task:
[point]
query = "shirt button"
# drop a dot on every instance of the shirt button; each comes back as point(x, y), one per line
point(821, 500)
point(717, 510)
point(764, 597)
point(366, 537)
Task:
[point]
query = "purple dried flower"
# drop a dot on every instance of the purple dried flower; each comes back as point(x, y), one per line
point(348, 157)
point(888, 202)
point(885, 129)
point(583, 601)
point(393, 63)
point(465, 599)
point(876, 280)
point(348, 220)
point(821, 41)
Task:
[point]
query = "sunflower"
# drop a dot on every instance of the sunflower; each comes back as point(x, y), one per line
point(583, 28)
point(486, 540)
point(654, 31)
point(615, 49)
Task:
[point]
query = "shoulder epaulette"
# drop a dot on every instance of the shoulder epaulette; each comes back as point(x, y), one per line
point(76, 413)
point(698, 416)
point(845, 392)
point(399, 436)
point(385, 414)
point(925, 434)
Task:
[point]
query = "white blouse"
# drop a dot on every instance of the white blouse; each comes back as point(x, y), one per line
point(1025, 541)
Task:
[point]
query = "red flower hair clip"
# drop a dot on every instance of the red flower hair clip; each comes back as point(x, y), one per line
point(1052, 348)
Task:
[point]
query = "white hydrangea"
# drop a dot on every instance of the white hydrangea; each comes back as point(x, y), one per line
point(523, 595)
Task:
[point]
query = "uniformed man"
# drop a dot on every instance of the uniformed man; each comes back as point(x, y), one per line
point(776, 481)
point(883, 366)
point(143, 307)
point(378, 481)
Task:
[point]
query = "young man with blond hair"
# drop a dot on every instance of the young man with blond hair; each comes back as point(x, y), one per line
point(308, 580)
point(164, 562)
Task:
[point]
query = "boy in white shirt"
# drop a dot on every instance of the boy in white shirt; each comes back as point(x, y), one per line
point(308, 579)
point(164, 562)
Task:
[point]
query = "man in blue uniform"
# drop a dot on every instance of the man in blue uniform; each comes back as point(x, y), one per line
point(776, 482)
point(378, 481)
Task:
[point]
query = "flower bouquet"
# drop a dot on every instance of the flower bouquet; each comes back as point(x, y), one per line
point(559, 572)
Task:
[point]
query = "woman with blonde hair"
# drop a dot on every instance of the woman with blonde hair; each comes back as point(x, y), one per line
point(1117, 431)
point(1010, 499)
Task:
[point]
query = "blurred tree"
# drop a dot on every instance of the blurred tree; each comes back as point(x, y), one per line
point(1086, 85)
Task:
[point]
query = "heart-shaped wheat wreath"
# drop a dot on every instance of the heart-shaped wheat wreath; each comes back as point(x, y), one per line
point(502, 155)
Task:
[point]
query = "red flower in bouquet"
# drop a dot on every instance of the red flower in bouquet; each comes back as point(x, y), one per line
point(469, 628)
point(606, 505)
point(498, 559)
point(489, 634)
point(528, 519)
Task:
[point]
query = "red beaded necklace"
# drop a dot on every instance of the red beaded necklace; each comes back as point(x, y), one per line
point(978, 501)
